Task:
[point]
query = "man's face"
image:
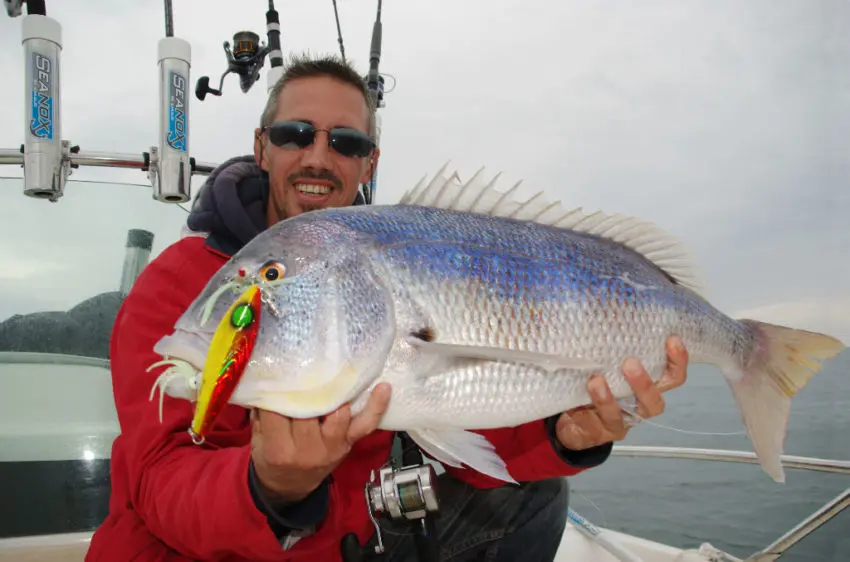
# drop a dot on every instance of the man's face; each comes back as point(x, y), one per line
point(314, 177)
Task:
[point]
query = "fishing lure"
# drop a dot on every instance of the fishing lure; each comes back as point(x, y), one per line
point(228, 355)
point(229, 350)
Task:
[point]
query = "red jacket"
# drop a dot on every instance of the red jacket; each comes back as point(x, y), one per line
point(172, 500)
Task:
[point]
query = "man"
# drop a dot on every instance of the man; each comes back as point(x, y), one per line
point(265, 487)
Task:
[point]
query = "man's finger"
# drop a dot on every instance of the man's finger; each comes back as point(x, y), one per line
point(650, 401)
point(275, 429)
point(367, 421)
point(335, 426)
point(306, 433)
point(570, 433)
point(607, 408)
point(589, 427)
point(675, 371)
point(254, 420)
point(567, 430)
point(274, 425)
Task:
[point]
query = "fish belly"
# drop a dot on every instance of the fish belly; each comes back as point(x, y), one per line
point(483, 394)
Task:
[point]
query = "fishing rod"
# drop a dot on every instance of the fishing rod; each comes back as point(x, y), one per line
point(407, 491)
point(375, 86)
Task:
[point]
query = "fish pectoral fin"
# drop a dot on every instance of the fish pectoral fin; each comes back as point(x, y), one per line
point(455, 447)
point(547, 361)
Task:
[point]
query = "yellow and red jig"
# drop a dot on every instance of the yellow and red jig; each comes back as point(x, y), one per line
point(229, 352)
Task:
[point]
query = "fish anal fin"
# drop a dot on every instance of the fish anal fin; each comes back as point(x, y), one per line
point(478, 195)
point(457, 447)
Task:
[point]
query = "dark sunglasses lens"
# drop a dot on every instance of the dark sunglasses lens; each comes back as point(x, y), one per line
point(351, 142)
point(291, 135)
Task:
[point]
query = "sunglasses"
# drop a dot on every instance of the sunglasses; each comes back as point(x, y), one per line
point(294, 135)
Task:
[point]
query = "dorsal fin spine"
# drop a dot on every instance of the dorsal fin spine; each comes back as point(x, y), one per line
point(482, 197)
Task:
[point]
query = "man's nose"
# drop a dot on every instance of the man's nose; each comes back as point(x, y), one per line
point(317, 155)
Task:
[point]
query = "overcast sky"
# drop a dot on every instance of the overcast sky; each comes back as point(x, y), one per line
point(725, 122)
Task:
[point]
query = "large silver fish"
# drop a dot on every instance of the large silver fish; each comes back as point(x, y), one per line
point(479, 310)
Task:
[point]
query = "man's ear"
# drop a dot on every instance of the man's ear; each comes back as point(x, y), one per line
point(371, 165)
point(259, 155)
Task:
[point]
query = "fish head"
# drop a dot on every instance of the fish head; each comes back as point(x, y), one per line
point(298, 322)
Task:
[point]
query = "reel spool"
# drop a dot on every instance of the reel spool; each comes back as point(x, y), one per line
point(246, 45)
point(407, 493)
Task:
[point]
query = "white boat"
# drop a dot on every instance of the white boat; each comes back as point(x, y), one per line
point(72, 426)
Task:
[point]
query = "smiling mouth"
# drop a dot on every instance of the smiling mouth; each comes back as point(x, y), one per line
point(312, 188)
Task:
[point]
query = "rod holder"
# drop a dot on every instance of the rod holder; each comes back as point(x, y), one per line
point(170, 170)
point(46, 167)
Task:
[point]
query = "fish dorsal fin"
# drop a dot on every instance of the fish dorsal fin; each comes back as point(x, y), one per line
point(480, 196)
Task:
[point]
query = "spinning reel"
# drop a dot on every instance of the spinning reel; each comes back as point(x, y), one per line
point(246, 59)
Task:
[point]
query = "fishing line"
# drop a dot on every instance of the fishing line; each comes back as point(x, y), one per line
point(103, 182)
point(596, 507)
point(640, 419)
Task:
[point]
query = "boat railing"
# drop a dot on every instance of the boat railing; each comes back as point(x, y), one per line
point(800, 531)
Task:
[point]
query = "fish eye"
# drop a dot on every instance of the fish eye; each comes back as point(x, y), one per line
point(272, 271)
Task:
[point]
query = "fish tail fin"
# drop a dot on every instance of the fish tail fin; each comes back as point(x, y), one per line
point(782, 362)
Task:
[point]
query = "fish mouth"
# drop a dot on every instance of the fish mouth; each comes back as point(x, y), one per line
point(187, 346)
point(192, 349)
point(221, 366)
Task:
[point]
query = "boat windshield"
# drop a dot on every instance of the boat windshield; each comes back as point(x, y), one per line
point(65, 269)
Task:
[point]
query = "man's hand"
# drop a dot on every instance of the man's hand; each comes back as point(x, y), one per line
point(292, 456)
point(589, 426)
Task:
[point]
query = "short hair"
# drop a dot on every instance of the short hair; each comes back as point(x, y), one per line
point(305, 66)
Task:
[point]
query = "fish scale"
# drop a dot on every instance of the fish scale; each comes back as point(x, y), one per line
point(480, 311)
point(586, 306)
point(496, 292)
